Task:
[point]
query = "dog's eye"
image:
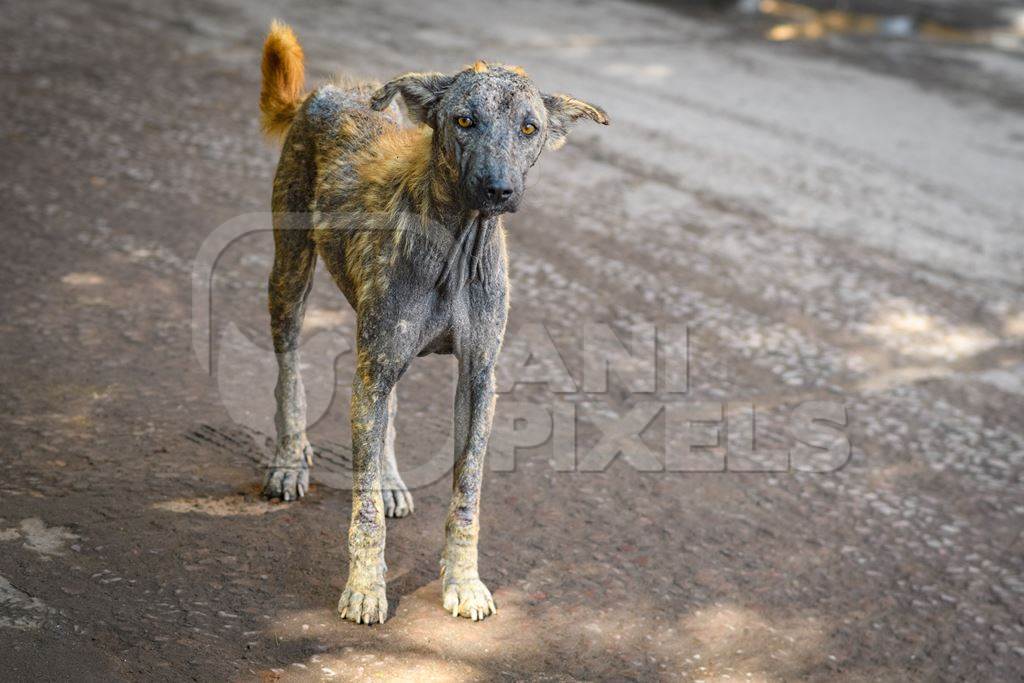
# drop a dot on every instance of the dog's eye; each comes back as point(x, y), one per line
point(528, 129)
point(464, 122)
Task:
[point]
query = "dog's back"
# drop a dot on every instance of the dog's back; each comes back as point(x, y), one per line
point(323, 130)
point(342, 165)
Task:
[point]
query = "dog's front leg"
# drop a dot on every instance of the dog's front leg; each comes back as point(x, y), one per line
point(364, 599)
point(463, 591)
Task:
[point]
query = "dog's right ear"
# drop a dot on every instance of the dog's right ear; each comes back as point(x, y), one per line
point(420, 91)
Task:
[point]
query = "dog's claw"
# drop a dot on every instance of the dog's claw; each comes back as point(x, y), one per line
point(286, 483)
point(397, 499)
point(470, 599)
point(287, 476)
point(370, 607)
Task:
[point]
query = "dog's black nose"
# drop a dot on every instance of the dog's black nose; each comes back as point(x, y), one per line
point(498, 190)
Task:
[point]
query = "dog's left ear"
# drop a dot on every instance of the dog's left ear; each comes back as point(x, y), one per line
point(563, 112)
point(420, 91)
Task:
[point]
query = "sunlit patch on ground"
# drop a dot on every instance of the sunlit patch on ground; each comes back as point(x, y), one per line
point(802, 22)
point(370, 664)
point(904, 328)
point(421, 641)
point(324, 318)
point(83, 279)
point(228, 506)
point(18, 609)
point(740, 644)
point(37, 537)
point(1013, 326)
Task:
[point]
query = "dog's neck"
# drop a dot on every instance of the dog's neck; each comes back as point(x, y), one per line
point(406, 170)
point(407, 173)
point(474, 255)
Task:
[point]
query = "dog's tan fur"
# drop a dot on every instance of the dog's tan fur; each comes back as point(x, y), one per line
point(283, 77)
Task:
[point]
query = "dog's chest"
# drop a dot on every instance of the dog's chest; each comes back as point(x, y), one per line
point(473, 317)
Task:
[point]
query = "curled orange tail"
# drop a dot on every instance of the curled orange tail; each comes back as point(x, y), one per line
point(283, 78)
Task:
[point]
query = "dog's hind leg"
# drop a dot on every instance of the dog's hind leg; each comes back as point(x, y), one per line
point(290, 282)
point(397, 499)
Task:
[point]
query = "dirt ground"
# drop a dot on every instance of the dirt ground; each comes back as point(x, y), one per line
point(837, 221)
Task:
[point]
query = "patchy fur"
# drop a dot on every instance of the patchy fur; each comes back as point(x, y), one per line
point(407, 220)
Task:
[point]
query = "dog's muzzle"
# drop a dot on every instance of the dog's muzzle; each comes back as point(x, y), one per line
point(497, 193)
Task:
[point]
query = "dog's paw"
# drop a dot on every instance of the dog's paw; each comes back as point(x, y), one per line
point(287, 476)
point(397, 499)
point(364, 606)
point(469, 598)
point(286, 483)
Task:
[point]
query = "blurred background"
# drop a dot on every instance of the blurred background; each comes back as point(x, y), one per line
point(828, 194)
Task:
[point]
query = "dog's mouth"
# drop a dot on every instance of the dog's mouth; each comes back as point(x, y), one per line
point(488, 210)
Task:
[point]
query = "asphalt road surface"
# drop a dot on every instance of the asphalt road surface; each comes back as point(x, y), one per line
point(838, 224)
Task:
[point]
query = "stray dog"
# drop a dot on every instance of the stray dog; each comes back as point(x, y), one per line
point(407, 222)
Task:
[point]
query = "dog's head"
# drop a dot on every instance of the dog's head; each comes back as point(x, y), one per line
point(491, 123)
